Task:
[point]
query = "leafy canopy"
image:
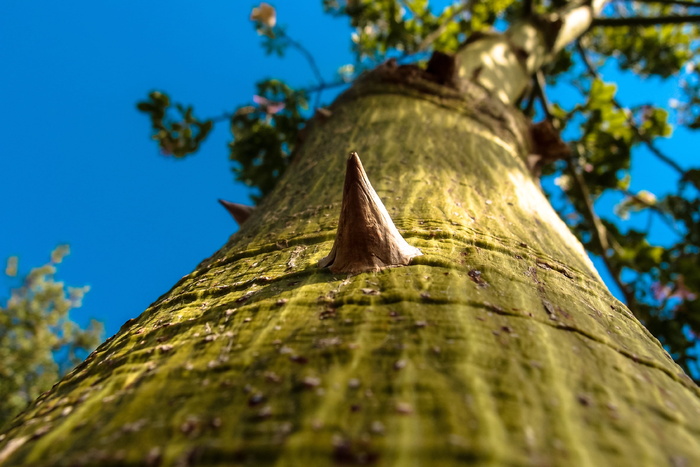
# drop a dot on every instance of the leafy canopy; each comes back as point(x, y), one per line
point(38, 340)
point(606, 138)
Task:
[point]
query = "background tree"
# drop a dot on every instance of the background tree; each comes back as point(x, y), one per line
point(38, 340)
point(651, 260)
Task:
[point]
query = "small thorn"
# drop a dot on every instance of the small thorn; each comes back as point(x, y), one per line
point(240, 212)
point(367, 239)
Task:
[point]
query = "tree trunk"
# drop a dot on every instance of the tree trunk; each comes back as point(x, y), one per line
point(499, 345)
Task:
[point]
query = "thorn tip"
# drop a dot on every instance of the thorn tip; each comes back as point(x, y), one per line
point(239, 212)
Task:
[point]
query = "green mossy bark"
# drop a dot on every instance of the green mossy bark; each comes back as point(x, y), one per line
point(499, 346)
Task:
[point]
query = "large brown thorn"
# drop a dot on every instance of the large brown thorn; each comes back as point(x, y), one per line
point(367, 239)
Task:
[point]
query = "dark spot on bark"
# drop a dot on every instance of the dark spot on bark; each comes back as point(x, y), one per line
point(522, 245)
point(507, 329)
point(444, 67)
point(256, 399)
point(584, 400)
point(299, 359)
point(245, 297)
point(327, 314)
point(475, 276)
point(192, 457)
point(154, 458)
point(190, 427)
point(492, 307)
point(560, 270)
point(355, 408)
point(346, 452)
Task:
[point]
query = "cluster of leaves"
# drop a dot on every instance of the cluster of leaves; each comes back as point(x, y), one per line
point(661, 50)
point(179, 136)
point(660, 283)
point(387, 28)
point(38, 340)
point(265, 133)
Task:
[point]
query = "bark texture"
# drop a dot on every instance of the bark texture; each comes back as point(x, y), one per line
point(499, 346)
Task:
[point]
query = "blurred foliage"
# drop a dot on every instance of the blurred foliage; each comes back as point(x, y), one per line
point(660, 282)
point(177, 137)
point(38, 340)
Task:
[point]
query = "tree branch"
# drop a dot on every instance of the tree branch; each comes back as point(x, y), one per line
point(322, 87)
point(309, 58)
point(539, 89)
point(644, 138)
point(644, 21)
point(600, 233)
point(430, 38)
point(671, 2)
point(655, 209)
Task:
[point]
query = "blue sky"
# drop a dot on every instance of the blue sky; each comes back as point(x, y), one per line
point(76, 160)
point(77, 163)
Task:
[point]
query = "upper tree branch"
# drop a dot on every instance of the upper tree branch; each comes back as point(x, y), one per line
point(671, 2)
point(430, 38)
point(644, 21)
point(505, 63)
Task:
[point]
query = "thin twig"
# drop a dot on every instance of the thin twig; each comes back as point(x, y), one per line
point(430, 38)
point(645, 139)
point(645, 21)
point(653, 208)
point(325, 86)
point(539, 89)
point(312, 64)
point(600, 233)
point(227, 116)
point(531, 96)
point(309, 58)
